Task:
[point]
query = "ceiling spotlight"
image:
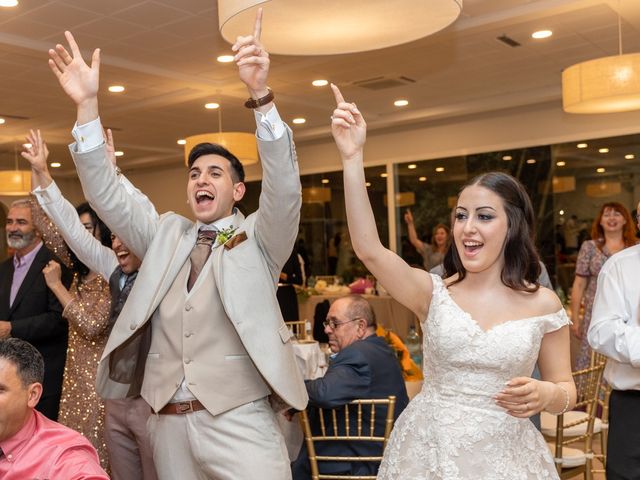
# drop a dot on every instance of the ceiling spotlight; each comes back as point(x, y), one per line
point(320, 83)
point(225, 58)
point(118, 153)
point(561, 163)
point(423, 179)
point(439, 169)
point(368, 184)
point(2, 120)
point(630, 156)
point(55, 164)
point(116, 88)
point(8, 3)
point(182, 141)
point(541, 34)
point(27, 145)
point(325, 180)
point(299, 121)
point(561, 212)
point(412, 166)
point(384, 175)
point(582, 145)
point(531, 161)
point(401, 103)
point(603, 150)
point(211, 106)
point(601, 170)
point(507, 158)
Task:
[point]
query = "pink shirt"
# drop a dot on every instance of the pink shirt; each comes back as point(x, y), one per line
point(45, 450)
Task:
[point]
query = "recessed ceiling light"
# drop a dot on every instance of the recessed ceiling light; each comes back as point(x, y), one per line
point(55, 164)
point(182, 141)
point(507, 158)
point(368, 184)
point(561, 212)
point(27, 145)
point(299, 121)
point(2, 120)
point(582, 145)
point(116, 88)
point(211, 106)
point(601, 170)
point(531, 161)
point(8, 3)
point(412, 166)
point(439, 169)
point(630, 156)
point(320, 83)
point(561, 163)
point(401, 103)
point(384, 175)
point(118, 153)
point(603, 150)
point(225, 58)
point(423, 179)
point(325, 180)
point(541, 34)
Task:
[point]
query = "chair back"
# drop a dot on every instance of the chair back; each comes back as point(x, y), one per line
point(297, 328)
point(354, 422)
point(588, 381)
point(602, 410)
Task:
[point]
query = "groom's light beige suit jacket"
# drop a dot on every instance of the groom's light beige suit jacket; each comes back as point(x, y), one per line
point(246, 274)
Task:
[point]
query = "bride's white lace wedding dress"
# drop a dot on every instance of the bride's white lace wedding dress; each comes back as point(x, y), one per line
point(453, 429)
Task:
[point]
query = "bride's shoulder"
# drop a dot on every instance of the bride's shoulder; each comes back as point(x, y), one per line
point(543, 301)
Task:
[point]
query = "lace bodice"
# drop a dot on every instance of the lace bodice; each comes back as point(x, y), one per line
point(453, 429)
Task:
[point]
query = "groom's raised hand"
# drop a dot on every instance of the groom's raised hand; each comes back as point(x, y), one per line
point(79, 80)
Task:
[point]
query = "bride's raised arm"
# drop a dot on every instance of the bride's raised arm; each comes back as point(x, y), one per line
point(410, 286)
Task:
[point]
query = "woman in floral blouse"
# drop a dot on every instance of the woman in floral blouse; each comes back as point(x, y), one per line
point(612, 230)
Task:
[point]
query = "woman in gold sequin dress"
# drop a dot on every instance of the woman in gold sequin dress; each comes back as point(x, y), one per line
point(86, 308)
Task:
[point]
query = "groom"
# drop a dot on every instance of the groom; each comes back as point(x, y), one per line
point(205, 307)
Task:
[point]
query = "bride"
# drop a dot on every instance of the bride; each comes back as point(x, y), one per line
point(485, 326)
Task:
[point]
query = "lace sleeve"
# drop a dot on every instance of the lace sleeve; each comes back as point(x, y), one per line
point(89, 310)
point(50, 234)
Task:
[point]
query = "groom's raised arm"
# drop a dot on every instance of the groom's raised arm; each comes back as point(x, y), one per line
point(129, 220)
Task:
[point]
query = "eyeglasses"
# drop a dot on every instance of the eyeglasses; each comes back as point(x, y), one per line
point(333, 324)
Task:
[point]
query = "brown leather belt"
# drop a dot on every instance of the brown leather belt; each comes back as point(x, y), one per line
point(181, 408)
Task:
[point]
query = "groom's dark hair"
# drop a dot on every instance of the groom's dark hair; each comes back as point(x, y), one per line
point(237, 170)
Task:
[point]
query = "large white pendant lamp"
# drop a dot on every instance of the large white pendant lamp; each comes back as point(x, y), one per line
point(327, 27)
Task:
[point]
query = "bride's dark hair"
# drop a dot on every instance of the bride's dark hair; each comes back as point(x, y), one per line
point(521, 262)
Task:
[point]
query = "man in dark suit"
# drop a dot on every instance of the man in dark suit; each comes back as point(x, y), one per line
point(28, 309)
point(364, 366)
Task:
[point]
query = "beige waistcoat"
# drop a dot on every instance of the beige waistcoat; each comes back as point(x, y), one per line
point(194, 339)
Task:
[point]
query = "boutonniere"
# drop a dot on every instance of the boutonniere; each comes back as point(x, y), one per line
point(225, 234)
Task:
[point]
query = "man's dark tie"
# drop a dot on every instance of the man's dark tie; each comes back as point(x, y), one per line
point(119, 297)
point(200, 254)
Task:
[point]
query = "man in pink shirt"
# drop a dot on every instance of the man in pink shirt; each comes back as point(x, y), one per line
point(31, 445)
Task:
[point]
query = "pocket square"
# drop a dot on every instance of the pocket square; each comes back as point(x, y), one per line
point(235, 240)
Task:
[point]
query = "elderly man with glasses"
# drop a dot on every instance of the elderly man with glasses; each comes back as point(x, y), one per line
point(363, 366)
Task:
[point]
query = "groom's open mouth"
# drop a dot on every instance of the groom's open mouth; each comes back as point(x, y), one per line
point(203, 197)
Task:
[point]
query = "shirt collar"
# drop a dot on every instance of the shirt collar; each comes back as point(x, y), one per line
point(220, 224)
point(27, 258)
point(12, 446)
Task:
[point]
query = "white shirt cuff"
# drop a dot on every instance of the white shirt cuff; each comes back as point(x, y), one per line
point(88, 136)
point(269, 125)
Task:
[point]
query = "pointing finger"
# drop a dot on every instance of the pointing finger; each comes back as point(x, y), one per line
point(337, 94)
point(257, 28)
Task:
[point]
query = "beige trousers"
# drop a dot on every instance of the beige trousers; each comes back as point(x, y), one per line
point(127, 439)
point(242, 443)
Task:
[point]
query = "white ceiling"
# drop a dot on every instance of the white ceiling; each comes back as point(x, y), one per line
point(164, 52)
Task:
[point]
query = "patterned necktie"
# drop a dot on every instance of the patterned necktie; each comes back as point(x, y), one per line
point(200, 254)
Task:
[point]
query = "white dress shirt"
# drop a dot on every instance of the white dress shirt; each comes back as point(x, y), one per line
point(615, 320)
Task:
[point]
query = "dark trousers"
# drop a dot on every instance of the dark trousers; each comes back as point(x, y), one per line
point(623, 446)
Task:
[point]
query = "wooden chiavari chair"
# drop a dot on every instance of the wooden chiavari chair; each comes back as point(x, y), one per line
point(297, 328)
point(334, 430)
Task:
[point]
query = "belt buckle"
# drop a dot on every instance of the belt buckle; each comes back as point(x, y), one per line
point(184, 407)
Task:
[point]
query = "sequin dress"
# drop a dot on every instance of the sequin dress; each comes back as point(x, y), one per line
point(88, 316)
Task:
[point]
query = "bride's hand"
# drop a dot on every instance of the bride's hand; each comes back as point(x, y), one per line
point(523, 397)
point(347, 126)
